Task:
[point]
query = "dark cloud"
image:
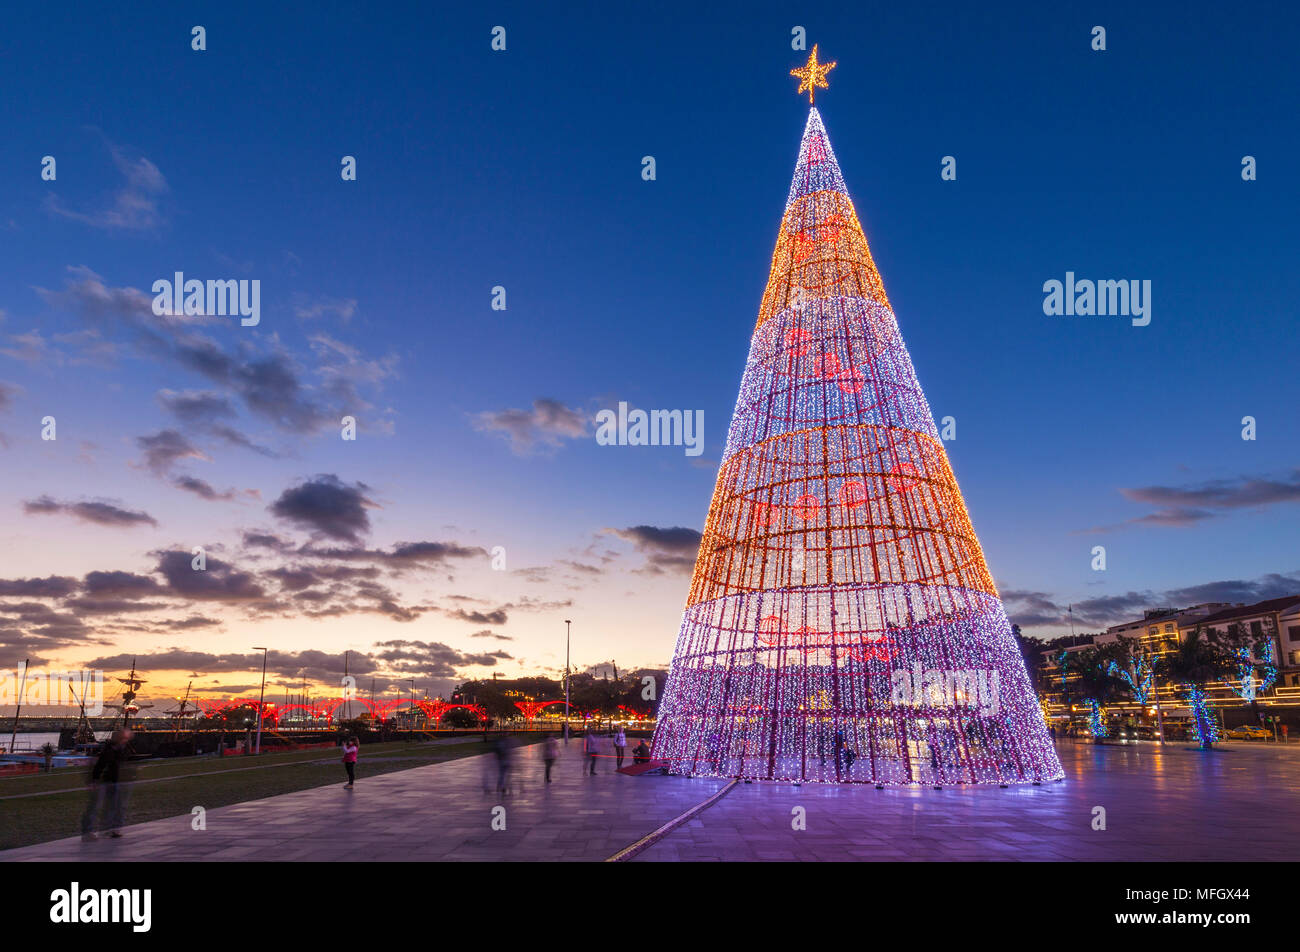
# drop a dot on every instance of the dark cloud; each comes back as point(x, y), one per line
point(432, 659)
point(196, 406)
point(52, 586)
point(110, 606)
point(546, 425)
point(98, 512)
point(432, 552)
point(670, 549)
point(1038, 609)
point(217, 582)
point(497, 617)
point(236, 438)
point(187, 624)
point(202, 489)
point(311, 664)
point(488, 633)
point(1274, 585)
point(270, 384)
point(326, 506)
point(205, 410)
point(7, 393)
point(165, 449)
point(120, 585)
point(266, 540)
point(400, 555)
point(1185, 506)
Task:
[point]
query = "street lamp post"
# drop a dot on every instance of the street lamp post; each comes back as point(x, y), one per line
point(261, 694)
point(410, 724)
point(567, 623)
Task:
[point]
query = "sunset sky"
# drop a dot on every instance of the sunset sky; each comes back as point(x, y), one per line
point(522, 169)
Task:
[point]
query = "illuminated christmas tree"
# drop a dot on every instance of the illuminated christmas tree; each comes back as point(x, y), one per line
point(841, 624)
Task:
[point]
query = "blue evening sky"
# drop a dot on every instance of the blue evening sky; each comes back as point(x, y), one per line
point(522, 169)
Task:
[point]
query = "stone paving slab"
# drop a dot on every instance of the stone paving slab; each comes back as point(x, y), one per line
point(1175, 803)
point(1238, 804)
point(434, 812)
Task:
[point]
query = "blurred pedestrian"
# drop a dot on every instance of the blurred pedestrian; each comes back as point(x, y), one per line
point(620, 746)
point(351, 746)
point(589, 748)
point(502, 750)
point(107, 796)
point(550, 750)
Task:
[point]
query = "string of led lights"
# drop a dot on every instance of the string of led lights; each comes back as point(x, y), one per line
point(841, 624)
point(1249, 683)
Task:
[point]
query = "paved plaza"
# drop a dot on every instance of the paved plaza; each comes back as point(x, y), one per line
point(1238, 803)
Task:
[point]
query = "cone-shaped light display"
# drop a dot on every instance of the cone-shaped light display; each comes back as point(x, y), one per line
point(841, 624)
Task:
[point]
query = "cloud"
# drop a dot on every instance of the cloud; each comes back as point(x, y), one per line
point(432, 659)
point(496, 617)
point(218, 581)
point(196, 406)
point(270, 384)
point(7, 393)
point(326, 506)
point(202, 489)
point(344, 309)
point(266, 540)
point(546, 425)
point(165, 449)
point(30, 348)
point(133, 207)
point(671, 549)
point(99, 512)
point(120, 584)
point(1185, 506)
point(1038, 609)
point(52, 586)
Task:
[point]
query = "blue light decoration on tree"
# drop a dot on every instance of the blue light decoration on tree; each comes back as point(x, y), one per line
point(842, 624)
point(1095, 723)
point(1249, 684)
point(1140, 676)
point(1207, 730)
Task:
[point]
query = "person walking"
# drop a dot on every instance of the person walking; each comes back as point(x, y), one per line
point(620, 746)
point(350, 748)
point(106, 794)
point(550, 750)
point(502, 750)
point(589, 748)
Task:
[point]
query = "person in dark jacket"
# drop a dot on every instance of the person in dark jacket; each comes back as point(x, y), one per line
point(107, 797)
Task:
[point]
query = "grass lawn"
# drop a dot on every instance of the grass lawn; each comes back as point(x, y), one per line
point(172, 787)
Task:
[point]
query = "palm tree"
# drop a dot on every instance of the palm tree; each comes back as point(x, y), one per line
point(1192, 665)
point(1095, 682)
point(1254, 671)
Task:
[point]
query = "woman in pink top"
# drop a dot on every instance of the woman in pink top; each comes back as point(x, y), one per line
point(350, 748)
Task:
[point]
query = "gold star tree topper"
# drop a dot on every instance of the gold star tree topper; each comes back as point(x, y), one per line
point(812, 75)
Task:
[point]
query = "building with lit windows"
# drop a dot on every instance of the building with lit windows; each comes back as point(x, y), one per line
point(1161, 630)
